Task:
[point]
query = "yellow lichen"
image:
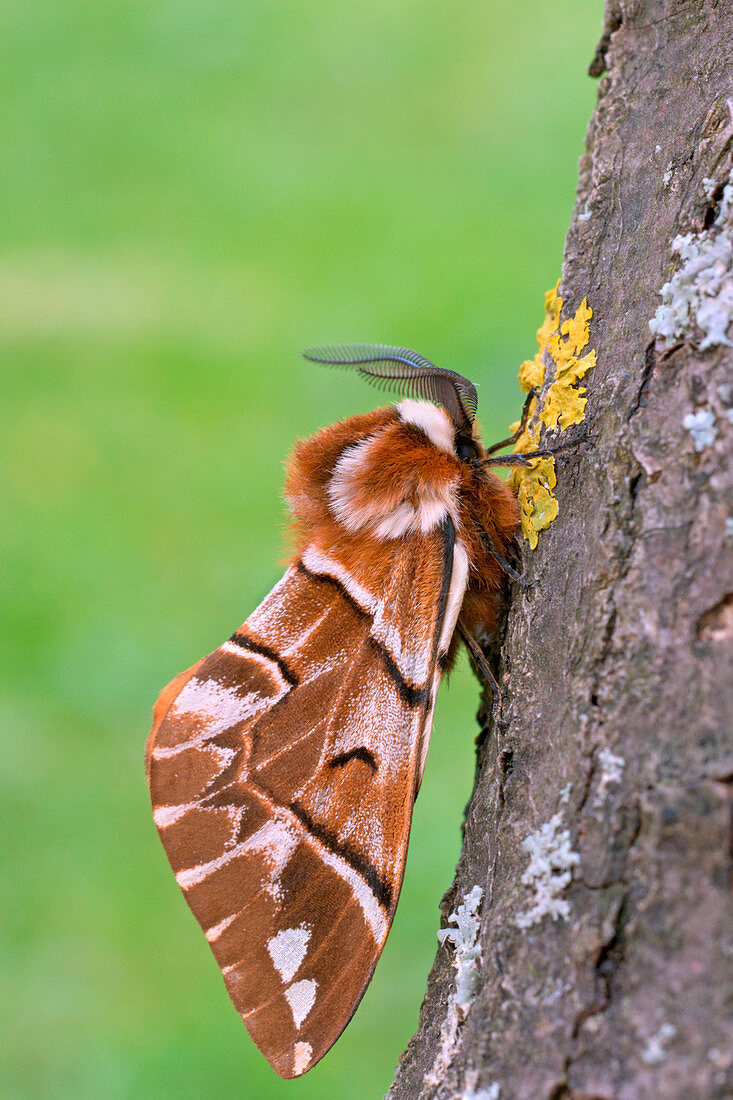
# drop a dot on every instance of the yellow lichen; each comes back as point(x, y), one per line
point(537, 503)
point(532, 371)
point(562, 405)
point(565, 401)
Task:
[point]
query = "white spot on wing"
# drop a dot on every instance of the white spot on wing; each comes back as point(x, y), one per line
point(167, 815)
point(214, 933)
point(302, 1054)
point(222, 706)
point(287, 950)
point(301, 996)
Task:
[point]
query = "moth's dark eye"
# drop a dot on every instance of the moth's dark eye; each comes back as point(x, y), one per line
point(466, 449)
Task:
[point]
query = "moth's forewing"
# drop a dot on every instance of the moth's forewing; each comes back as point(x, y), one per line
point(283, 773)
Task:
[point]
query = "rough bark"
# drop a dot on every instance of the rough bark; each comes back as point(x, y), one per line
point(617, 662)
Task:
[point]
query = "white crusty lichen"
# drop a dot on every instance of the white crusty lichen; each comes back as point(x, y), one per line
point(702, 428)
point(610, 770)
point(550, 871)
point(463, 938)
point(709, 186)
point(654, 1052)
point(493, 1092)
point(701, 290)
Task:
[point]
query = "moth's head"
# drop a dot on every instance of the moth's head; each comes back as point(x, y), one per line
point(441, 402)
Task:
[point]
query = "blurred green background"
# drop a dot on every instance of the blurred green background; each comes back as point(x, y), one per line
point(191, 192)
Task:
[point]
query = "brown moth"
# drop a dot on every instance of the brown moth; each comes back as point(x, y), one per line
point(284, 766)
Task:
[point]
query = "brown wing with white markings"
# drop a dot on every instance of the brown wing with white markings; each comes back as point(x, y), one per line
point(283, 774)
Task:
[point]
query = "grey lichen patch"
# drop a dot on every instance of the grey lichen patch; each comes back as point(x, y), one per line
point(610, 772)
point(463, 938)
point(701, 426)
point(654, 1052)
point(700, 293)
point(493, 1092)
point(550, 871)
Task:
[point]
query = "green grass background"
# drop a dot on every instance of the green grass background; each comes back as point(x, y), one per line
point(190, 193)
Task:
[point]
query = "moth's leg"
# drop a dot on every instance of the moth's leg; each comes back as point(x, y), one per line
point(518, 460)
point(528, 456)
point(483, 666)
point(542, 452)
point(506, 566)
point(522, 425)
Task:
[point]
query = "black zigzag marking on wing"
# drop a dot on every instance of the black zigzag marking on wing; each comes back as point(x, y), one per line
point(244, 642)
point(359, 753)
point(334, 582)
point(414, 696)
point(382, 890)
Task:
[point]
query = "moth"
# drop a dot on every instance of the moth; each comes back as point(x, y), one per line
point(284, 766)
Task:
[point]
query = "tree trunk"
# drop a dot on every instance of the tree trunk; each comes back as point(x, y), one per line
point(599, 828)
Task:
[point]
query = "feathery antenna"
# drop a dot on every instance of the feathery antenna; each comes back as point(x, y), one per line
point(405, 372)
